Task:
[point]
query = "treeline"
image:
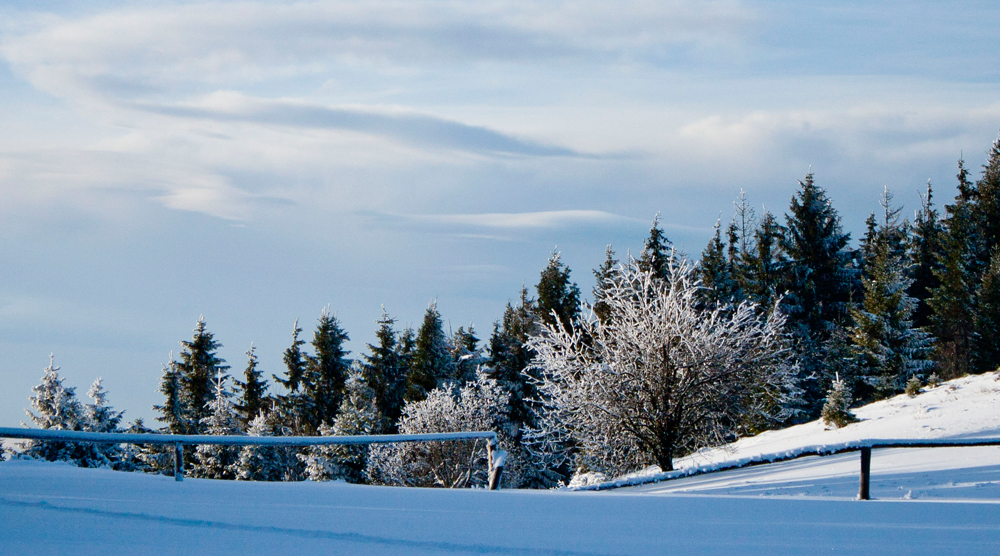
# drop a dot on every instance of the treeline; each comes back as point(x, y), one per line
point(782, 309)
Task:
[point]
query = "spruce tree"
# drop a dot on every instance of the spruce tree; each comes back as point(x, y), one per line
point(657, 252)
point(763, 269)
point(988, 315)
point(295, 362)
point(888, 349)
point(384, 373)
point(716, 272)
point(172, 411)
point(925, 258)
point(101, 417)
point(558, 297)
point(820, 283)
point(326, 373)
point(213, 461)
point(198, 366)
point(431, 365)
point(466, 353)
point(252, 391)
point(260, 462)
point(55, 407)
point(602, 281)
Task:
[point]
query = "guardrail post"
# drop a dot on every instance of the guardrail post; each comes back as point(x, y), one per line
point(495, 461)
point(178, 462)
point(866, 471)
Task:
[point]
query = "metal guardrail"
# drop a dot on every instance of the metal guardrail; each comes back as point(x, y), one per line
point(863, 446)
point(495, 457)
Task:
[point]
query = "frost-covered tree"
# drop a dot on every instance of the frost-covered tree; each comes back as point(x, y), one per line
point(837, 409)
point(479, 405)
point(762, 273)
point(198, 366)
point(888, 349)
point(261, 463)
point(358, 415)
point(716, 271)
point(657, 379)
point(213, 461)
point(432, 364)
point(252, 391)
point(466, 353)
point(55, 406)
point(101, 417)
point(172, 410)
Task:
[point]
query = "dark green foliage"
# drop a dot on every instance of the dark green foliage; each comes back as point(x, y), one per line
point(988, 315)
point(325, 375)
point(717, 271)
point(385, 373)
point(888, 350)
point(466, 353)
point(657, 252)
point(198, 367)
point(295, 362)
point(251, 392)
point(172, 410)
point(603, 276)
point(558, 297)
point(762, 273)
point(925, 258)
point(820, 280)
point(431, 365)
point(510, 358)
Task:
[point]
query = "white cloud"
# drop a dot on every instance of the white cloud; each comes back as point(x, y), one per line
point(525, 220)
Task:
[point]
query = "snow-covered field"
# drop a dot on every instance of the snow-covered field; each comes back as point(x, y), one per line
point(795, 507)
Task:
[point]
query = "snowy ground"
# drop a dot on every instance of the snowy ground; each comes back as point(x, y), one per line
point(796, 507)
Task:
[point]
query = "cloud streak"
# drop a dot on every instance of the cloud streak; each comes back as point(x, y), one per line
point(418, 129)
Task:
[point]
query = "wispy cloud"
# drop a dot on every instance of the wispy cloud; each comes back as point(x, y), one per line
point(418, 129)
point(541, 220)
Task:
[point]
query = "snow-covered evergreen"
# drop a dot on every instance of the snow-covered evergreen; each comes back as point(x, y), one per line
point(214, 461)
point(55, 406)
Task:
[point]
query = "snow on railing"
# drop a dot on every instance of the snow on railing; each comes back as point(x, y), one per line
point(495, 457)
point(863, 446)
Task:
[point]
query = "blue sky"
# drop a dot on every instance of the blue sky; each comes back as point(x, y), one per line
point(254, 162)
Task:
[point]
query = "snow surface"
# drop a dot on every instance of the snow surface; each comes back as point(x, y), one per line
point(795, 507)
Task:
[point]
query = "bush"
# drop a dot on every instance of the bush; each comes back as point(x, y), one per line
point(836, 410)
point(913, 386)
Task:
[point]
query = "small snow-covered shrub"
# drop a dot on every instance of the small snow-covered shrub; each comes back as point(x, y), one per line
point(479, 405)
point(933, 381)
point(836, 410)
point(913, 386)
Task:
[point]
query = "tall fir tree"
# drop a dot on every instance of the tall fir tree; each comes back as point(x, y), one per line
point(431, 365)
point(56, 407)
point(603, 276)
point(558, 297)
point(716, 272)
point(212, 461)
point(657, 252)
point(172, 411)
point(385, 374)
point(326, 373)
point(820, 283)
point(198, 366)
point(925, 257)
point(763, 270)
point(888, 349)
point(295, 362)
point(251, 392)
point(466, 353)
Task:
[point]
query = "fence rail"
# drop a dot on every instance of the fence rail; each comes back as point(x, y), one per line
point(495, 456)
point(863, 446)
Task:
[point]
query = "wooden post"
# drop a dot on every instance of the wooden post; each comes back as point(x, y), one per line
point(866, 471)
point(495, 461)
point(178, 462)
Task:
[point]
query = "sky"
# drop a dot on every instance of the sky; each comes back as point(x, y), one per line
point(257, 162)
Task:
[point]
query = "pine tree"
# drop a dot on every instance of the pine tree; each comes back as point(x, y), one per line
point(252, 392)
point(602, 281)
point(988, 315)
point(295, 362)
point(888, 349)
point(55, 407)
point(198, 366)
point(214, 461)
point(293, 405)
point(925, 256)
point(558, 297)
point(432, 365)
point(836, 410)
point(326, 373)
point(257, 462)
point(510, 358)
point(657, 252)
point(385, 373)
